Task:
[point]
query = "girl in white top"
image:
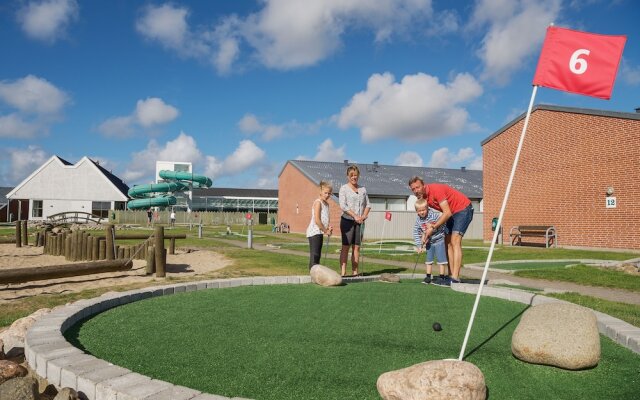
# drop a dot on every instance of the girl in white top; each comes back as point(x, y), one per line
point(319, 223)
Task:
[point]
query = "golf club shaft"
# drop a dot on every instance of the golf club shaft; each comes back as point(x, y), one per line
point(326, 250)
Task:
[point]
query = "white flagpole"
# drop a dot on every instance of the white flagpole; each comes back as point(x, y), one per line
point(495, 234)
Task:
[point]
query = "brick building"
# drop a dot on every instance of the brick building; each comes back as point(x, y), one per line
point(574, 165)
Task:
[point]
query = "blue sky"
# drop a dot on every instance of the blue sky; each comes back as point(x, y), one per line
point(240, 87)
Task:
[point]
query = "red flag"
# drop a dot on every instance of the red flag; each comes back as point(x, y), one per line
point(248, 216)
point(387, 215)
point(579, 62)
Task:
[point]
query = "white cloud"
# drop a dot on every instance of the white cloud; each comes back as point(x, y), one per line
point(21, 163)
point(417, 108)
point(328, 152)
point(444, 158)
point(409, 159)
point(444, 23)
point(250, 124)
point(149, 113)
point(154, 111)
point(37, 102)
point(184, 148)
point(13, 126)
point(143, 164)
point(284, 34)
point(244, 157)
point(47, 20)
point(33, 95)
point(516, 31)
point(289, 33)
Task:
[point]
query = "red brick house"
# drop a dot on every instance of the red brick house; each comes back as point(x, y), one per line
point(574, 165)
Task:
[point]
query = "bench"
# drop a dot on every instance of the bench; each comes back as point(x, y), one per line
point(548, 232)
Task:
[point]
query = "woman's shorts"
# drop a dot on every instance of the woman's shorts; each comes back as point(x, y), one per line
point(459, 222)
point(351, 232)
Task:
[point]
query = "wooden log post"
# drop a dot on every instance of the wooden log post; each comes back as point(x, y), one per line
point(151, 261)
point(67, 246)
point(37, 240)
point(102, 249)
point(41, 240)
point(159, 252)
point(25, 233)
point(172, 246)
point(120, 251)
point(18, 234)
point(110, 254)
point(95, 249)
point(20, 275)
point(126, 253)
point(83, 245)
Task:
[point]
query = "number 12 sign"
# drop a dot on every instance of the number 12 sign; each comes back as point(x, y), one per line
point(611, 202)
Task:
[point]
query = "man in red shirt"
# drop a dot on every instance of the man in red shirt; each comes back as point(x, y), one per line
point(457, 213)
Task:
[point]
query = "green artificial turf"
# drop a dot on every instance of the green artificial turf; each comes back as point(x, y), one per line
point(310, 342)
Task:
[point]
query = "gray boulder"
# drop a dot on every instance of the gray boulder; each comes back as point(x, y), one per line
point(559, 334)
point(438, 379)
point(324, 276)
point(20, 389)
point(13, 337)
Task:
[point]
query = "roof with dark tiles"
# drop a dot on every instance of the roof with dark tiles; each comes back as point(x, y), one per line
point(391, 180)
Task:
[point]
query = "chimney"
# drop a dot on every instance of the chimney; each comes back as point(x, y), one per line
point(346, 162)
point(375, 163)
point(638, 109)
point(463, 169)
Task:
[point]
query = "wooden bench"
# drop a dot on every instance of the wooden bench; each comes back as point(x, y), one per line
point(548, 232)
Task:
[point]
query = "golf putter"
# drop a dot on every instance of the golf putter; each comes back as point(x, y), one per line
point(360, 268)
point(416, 264)
point(326, 249)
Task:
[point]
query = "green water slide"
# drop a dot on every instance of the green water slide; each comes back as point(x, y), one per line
point(159, 194)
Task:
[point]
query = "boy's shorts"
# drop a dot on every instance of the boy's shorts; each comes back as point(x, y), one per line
point(437, 249)
point(460, 221)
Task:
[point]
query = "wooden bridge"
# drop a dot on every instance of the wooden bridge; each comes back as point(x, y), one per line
point(78, 217)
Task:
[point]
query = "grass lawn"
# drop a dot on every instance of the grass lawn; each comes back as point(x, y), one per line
point(532, 265)
point(309, 342)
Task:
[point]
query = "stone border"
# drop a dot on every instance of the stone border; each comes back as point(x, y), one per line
point(52, 357)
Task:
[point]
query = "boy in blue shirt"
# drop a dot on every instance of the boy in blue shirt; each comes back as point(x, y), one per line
point(433, 240)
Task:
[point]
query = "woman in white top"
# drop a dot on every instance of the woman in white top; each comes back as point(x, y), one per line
point(354, 203)
point(319, 224)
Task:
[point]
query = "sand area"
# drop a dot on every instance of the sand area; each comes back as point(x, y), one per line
point(185, 263)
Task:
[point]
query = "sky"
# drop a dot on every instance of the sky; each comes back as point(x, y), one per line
point(240, 87)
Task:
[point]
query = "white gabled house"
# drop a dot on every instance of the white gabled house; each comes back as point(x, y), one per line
point(59, 186)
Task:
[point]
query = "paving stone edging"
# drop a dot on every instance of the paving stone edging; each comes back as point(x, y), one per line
point(63, 365)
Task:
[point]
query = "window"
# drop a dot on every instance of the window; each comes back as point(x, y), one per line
point(181, 167)
point(100, 208)
point(36, 211)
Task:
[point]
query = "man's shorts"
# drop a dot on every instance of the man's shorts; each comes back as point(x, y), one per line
point(459, 222)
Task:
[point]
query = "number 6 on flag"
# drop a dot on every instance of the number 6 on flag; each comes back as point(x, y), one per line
point(579, 62)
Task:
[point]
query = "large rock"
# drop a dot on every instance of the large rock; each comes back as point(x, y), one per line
point(438, 379)
point(13, 337)
point(559, 334)
point(19, 389)
point(324, 276)
point(10, 370)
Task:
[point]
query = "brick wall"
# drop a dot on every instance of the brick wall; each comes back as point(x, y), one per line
point(568, 161)
point(296, 194)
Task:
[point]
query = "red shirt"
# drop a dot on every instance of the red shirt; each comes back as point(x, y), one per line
point(435, 193)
